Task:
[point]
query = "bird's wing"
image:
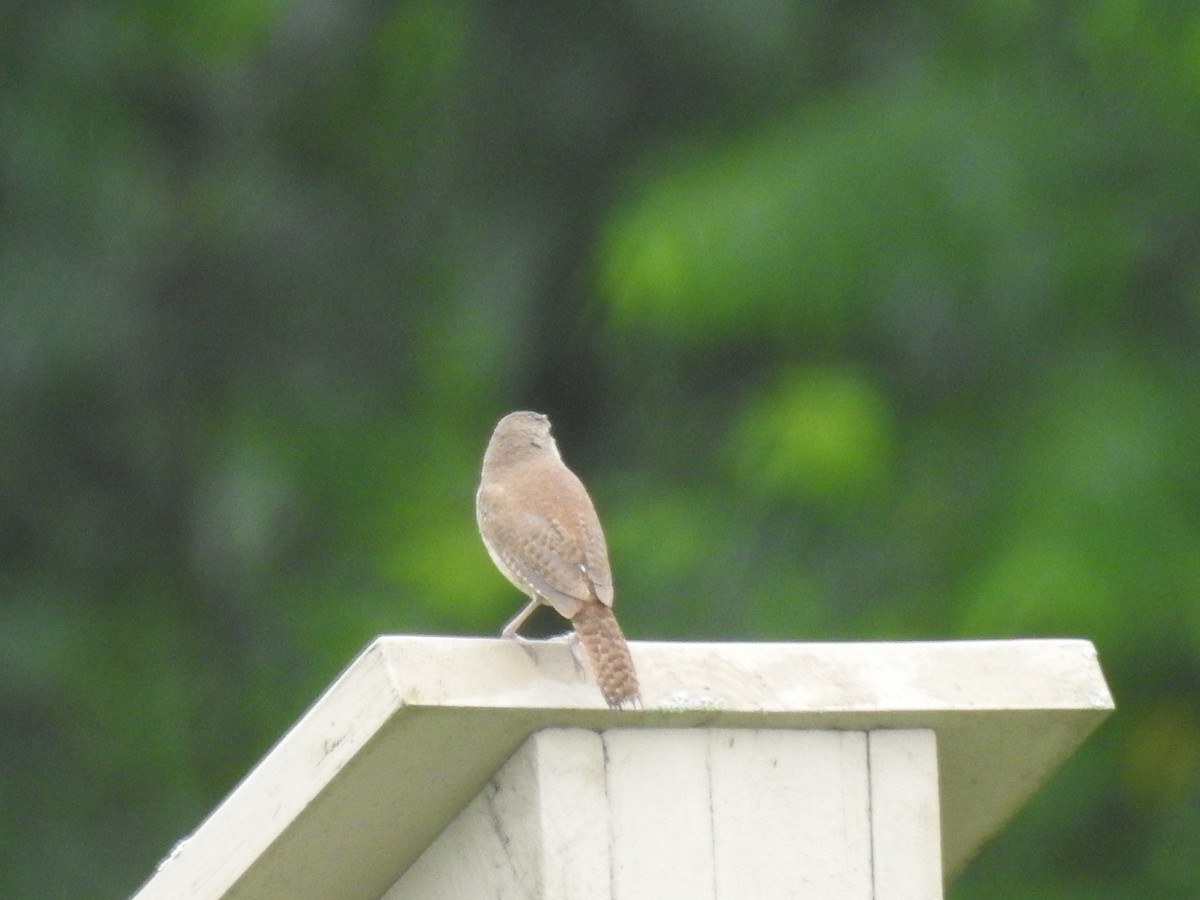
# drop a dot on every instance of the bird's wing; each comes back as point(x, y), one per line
point(548, 538)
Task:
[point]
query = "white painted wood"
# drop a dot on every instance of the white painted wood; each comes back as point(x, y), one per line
point(690, 814)
point(409, 734)
point(790, 814)
point(905, 827)
point(539, 829)
point(662, 828)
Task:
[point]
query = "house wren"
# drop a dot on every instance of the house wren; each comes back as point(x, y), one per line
point(541, 530)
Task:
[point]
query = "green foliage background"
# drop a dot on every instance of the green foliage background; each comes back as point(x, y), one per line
point(861, 321)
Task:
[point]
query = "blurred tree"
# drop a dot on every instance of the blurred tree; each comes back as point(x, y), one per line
point(880, 320)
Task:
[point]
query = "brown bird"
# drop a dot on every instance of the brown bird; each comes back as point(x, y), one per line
point(541, 530)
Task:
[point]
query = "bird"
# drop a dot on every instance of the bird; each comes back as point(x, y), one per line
point(541, 530)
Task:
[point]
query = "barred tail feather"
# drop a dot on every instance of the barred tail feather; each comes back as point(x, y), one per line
point(608, 654)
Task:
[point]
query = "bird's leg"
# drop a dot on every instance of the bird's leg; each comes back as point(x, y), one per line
point(510, 630)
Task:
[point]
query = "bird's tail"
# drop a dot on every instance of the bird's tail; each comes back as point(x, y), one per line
point(608, 653)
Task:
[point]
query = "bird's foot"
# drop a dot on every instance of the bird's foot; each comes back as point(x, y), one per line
point(519, 638)
point(576, 652)
point(526, 644)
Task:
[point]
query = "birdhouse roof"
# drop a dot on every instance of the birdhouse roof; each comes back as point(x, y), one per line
point(410, 731)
